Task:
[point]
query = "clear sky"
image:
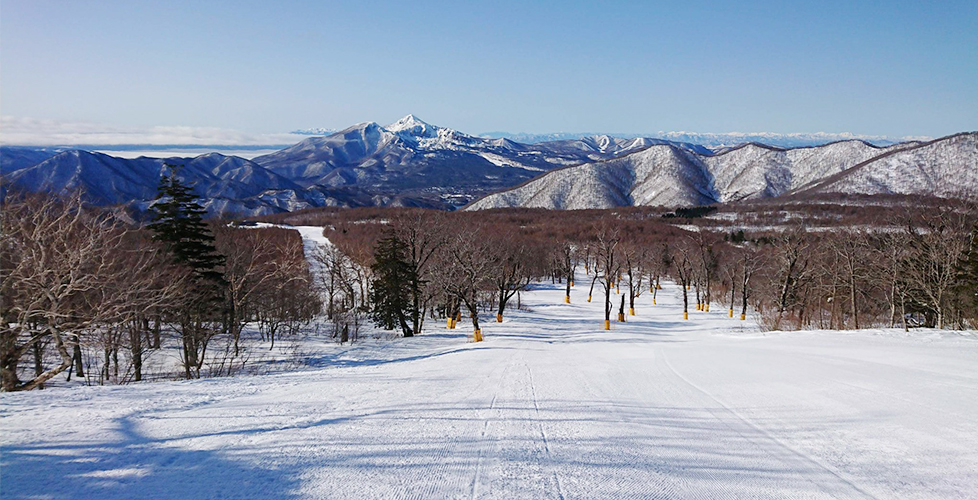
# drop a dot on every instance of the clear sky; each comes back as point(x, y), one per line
point(896, 68)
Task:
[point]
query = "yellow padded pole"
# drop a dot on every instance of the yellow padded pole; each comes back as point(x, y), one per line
point(607, 325)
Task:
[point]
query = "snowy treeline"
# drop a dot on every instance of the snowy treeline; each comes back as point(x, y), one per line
point(90, 295)
point(922, 274)
point(84, 291)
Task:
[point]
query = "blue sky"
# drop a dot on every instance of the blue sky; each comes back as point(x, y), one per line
point(879, 68)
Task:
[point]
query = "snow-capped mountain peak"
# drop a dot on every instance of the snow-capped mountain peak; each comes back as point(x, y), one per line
point(413, 126)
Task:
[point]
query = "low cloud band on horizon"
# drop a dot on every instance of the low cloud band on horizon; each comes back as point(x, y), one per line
point(20, 131)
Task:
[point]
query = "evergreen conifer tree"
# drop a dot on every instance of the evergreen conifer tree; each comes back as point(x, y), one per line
point(390, 291)
point(178, 222)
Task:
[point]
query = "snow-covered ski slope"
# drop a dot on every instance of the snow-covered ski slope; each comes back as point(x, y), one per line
point(549, 406)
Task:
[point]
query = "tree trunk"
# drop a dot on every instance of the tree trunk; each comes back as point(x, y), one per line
point(136, 351)
point(332, 287)
point(189, 349)
point(903, 311)
point(852, 301)
point(106, 364)
point(235, 327)
point(8, 373)
point(405, 327)
point(685, 297)
point(66, 362)
point(733, 295)
point(416, 304)
point(157, 327)
point(892, 305)
point(76, 356)
point(38, 361)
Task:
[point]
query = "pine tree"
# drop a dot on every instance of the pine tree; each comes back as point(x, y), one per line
point(390, 291)
point(178, 222)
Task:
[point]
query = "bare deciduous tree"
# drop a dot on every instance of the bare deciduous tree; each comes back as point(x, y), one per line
point(67, 270)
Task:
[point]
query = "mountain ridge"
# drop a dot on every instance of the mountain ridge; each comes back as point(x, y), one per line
point(749, 171)
point(718, 140)
point(413, 163)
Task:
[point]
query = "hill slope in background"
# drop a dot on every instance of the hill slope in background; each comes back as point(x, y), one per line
point(678, 180)
point(224, 183)
point(945, 167)
point(14, 158)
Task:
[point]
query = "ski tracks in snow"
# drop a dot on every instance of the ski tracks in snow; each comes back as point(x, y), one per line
point(550, 406)
point(543, 432)
point(485, 445)
point(825, 478)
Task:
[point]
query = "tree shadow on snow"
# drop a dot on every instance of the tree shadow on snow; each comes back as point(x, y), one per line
point(135, 466)
point(343, 359)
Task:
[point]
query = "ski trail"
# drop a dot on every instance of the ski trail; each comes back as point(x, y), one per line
point(543, 434)
point(482, 452)
point(486, 441)
point(551, 406)
point(313, 242)
point(821, 484)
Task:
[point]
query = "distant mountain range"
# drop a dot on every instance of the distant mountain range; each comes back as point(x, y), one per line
point(406, 163)
point(716, 141)
point(670, 176)
point(413, 163)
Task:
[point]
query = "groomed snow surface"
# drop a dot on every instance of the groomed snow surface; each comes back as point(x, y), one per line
point(549, 406)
